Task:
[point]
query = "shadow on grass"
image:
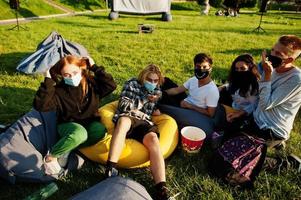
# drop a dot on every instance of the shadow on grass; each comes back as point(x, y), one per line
point(78, 24)
point(96, 17)
point(284, 13)
point(17, 191)
point(105, 27)
point(127, 32)
point(299, 18)
point(289, 15)
point(245, 31)
point(102, 24)
point(26, 13)
point(158, 18)
point(9, 61)
point(88, 5)
point(185, 6)
point(22, 11)
point(150, 16)
point(14, 102)
point(75, 182)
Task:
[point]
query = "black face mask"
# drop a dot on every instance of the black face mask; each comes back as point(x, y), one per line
point(200, 73)
point(241, 76)
point(242, 80)
point(275, 60)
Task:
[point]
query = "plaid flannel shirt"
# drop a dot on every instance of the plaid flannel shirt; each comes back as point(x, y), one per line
point(134, 101)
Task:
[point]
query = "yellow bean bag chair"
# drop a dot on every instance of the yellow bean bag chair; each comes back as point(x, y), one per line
point(134, 154)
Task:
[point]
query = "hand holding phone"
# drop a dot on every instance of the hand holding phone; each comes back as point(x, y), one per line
point(267, 66)
point(153, 98)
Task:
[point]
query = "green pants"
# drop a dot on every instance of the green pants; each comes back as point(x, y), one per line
point(74, 135)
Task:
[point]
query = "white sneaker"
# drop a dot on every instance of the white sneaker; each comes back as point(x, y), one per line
point(52, 167)
point(63, 160)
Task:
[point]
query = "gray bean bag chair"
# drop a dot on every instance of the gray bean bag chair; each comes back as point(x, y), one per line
point(25, 143)
point(49, 52)
point(116, 188)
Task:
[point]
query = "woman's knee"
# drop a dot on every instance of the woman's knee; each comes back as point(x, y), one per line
point(151, 140)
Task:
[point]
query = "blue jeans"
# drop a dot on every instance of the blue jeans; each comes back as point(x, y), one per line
point(187, 117)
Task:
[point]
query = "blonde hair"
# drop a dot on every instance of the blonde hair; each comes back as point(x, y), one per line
point(151, 69)
point(293, 43)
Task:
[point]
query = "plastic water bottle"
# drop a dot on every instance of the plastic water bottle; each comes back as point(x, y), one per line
point(43, 193)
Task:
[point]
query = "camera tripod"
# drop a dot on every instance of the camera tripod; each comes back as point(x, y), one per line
point(18, 26)
point(259, 28)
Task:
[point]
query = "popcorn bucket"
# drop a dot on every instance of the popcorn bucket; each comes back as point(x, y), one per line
point(192, 139)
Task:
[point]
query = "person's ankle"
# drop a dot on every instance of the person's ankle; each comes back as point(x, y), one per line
point(161, 191)
point(111, 170)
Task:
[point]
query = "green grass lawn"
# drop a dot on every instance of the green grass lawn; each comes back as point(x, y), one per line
point(123, 52)
point(28, 8)
point(82, 5)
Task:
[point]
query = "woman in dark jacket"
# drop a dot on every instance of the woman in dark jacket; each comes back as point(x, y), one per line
point(73, 88)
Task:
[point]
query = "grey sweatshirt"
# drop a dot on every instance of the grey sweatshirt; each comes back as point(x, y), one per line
point(279, 102)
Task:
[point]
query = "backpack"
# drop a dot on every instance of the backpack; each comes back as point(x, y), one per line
point(239, 160)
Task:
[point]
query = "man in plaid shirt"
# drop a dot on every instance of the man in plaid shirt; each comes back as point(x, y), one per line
point(132, 119)
point(134, 101)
